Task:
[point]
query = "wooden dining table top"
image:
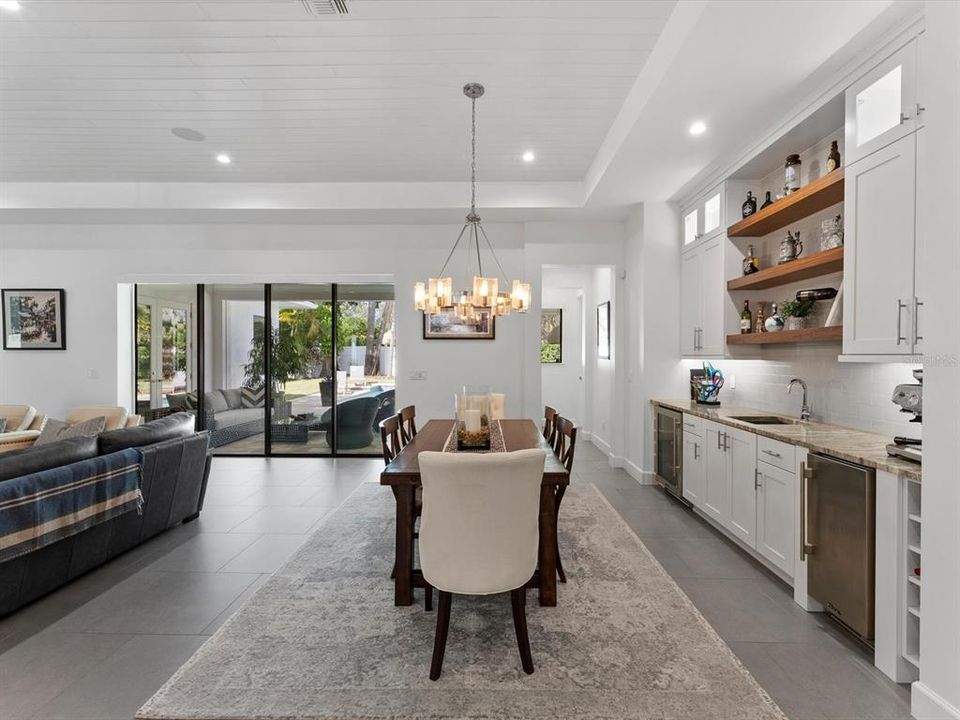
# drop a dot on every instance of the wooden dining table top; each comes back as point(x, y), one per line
point(518, 434)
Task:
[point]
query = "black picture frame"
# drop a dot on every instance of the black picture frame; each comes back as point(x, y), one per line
point(603, 330)
point(59, 318)
point(559, 335)
point(431, 333)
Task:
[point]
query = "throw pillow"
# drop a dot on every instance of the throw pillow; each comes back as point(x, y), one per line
point(250, 398)
point(215, 402)
point(57, 430)
point(3, 425)
point(190, 401)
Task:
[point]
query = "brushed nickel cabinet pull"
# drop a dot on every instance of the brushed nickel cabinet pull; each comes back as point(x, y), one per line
point(900, 307)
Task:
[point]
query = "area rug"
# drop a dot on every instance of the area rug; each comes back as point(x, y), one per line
point(323, 640)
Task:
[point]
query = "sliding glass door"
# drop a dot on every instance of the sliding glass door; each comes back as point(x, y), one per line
point(328, 350)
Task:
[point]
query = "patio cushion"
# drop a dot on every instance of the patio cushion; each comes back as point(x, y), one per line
point(215, 402)
point(234, 398)
point(251, 398)
point(18, 417)
point(229, 418)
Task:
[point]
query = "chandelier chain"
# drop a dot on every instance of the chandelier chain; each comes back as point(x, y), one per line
point(473, 156)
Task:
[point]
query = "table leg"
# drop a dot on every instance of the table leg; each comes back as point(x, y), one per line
point(403, 583)
point(548, 547)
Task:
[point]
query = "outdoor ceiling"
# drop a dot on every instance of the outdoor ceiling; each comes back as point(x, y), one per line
point(89, 91)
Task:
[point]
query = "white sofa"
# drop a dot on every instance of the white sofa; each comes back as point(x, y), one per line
point(23, 426)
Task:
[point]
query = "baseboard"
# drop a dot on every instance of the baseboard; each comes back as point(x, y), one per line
point(601, 444)
point(925, 704)
point(642, 476)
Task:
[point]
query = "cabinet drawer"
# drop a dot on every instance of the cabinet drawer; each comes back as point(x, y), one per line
point(692, 425)
point(779, 454)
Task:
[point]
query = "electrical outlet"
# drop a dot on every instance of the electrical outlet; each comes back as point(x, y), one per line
point(93, 374)
point(733, 382)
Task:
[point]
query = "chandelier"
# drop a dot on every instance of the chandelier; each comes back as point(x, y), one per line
point(437, 293)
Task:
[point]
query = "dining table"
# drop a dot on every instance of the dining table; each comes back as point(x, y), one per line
point(402, 474)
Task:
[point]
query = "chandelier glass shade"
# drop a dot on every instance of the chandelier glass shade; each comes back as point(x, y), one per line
point(487, 294)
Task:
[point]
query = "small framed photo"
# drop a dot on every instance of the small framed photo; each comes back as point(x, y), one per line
point(603, 330)
point(446, 325)
point(34, 319)
point(551, 335)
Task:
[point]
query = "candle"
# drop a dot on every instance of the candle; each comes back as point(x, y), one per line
point(471, 420)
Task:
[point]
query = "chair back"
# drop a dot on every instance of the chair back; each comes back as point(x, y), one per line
point(408, 424)
point(566, 441)
point(479, 530)
point(18, 417)
point(390, 438)
point(550, 425)
point(498, 403)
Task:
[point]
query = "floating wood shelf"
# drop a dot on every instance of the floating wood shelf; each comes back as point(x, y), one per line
point(823, 263)
point(811, 198)
point(834, 333)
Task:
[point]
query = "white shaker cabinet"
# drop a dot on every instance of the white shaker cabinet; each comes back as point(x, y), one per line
point(701, 299)
point(741, 459)
point(879, 263)
point(694, 463)
point(714, 498)
point(776, 510)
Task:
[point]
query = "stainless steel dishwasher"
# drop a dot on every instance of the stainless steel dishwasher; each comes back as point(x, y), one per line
point(838, 539)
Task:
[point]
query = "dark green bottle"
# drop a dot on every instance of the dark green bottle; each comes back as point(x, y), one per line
point(766, 201)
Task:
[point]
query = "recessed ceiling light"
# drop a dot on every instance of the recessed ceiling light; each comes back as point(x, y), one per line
point(698, 128)
point(528, 156)
point(185, 133)
point(223, 159)
point(11, 5)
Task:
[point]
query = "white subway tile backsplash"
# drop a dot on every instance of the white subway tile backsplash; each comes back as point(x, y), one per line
point(849, 394)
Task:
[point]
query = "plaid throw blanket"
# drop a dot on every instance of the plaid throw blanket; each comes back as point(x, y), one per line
point(39, 509)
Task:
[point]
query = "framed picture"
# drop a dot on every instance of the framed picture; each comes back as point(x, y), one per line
point(34, 320)
point(551, 335)
point(603, 330)
point(447, 326)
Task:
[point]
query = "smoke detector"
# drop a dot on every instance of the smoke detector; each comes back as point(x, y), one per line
point(321, 8)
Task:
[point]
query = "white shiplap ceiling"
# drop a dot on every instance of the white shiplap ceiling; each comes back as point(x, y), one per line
point(89, 91)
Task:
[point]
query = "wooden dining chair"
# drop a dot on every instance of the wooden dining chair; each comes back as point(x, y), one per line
point(408, 424)
point(480, 533)
point(390, 438)
point(564, 447)
point(550, 425)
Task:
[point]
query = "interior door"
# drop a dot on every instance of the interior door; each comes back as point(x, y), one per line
point(879, 231)
point(775, 514)
point(741, 449)
point(164, 339)
point(716, 472)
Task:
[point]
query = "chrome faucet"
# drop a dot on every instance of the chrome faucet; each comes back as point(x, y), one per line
point(805, 408)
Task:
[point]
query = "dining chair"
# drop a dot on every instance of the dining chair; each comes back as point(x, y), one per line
point(390, 438)
point(498, 403)
point(550, 425)
point(564, 447)
point(480, 533)
point(408, 424)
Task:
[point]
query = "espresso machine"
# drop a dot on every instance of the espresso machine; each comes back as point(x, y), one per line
point(909, 396)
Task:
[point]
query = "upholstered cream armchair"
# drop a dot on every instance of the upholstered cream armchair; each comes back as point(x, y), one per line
point(23, 427)
point(116, 417)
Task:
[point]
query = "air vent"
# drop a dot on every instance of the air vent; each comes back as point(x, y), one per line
point(321, 8)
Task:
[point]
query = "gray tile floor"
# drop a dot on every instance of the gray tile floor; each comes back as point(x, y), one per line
point(99, 647)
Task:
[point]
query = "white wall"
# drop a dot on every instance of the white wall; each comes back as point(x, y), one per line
point(564, 384)
point(88, 261)
point(603, 413)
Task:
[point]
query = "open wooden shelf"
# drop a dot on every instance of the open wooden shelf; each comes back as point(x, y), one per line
point(811, 198)
point(823, 263)
point(834, 333)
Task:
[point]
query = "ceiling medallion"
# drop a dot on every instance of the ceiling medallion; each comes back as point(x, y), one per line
point(437, 293)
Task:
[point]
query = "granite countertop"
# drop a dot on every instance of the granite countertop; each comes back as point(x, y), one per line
point(856, 446)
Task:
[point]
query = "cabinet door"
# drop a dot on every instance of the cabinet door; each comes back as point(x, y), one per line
point(691, 226)
point(713, 296)
point(741, 449)
point(690, 301)
point(693, 466)
point(713, 212)
point(775, 515)
point(879, 228)
point(715, 473)
point(881, 107)
point(919, 290)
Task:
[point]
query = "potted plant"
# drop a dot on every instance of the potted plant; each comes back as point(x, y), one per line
point(797, 313)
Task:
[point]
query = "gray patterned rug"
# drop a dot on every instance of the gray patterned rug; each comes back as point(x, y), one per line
point(322, 639)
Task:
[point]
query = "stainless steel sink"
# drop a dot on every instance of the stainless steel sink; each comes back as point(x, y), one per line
point(765, 420)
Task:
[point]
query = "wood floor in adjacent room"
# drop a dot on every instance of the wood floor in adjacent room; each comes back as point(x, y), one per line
point(101, 646)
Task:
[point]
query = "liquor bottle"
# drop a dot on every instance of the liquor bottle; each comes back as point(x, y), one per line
point(749, 205)
point(760, 325)
point(751, 263)
point(746, 319)
point(833, 159)
point(766, 201)
point(816, 294)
